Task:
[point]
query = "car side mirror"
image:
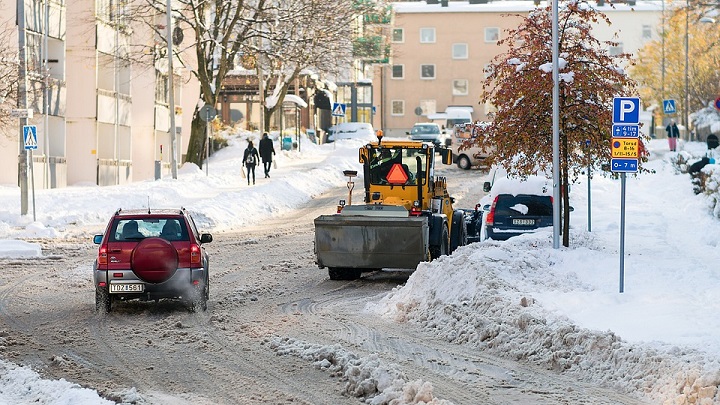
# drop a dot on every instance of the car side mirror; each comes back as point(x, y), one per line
point(487, 186)
point(206, 238)
point(486, 207)
point(97, 239)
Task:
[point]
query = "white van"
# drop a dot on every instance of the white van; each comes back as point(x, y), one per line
point(451, 117)
point(472, 156)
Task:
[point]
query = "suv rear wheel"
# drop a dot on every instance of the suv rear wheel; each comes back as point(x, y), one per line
point(199, 297)
point(103, 300)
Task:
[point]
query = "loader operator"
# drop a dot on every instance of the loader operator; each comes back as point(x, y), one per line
point(381, 164)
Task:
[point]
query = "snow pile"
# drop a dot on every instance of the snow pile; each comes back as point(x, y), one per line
point(368, 378)
point(19, 249)
point(21, 385)
point(499, 308)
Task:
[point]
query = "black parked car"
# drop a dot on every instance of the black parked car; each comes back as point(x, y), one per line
point(512, 215)
point(515, 206)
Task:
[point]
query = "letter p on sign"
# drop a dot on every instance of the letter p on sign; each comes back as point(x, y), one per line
point(626, 110)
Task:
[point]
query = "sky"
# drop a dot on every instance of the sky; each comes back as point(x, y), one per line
point(559, 308)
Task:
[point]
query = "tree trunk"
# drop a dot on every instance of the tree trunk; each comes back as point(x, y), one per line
point(565, 191)
point(198, 135)
point(266, 122)
point(565, 197)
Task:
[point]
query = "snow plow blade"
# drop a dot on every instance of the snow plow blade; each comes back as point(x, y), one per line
point(367, 242)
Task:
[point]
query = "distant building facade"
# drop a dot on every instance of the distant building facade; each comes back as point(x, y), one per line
point(440, 51)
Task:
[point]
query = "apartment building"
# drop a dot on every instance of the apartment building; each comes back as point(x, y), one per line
point(440, 51)
point(101, 111)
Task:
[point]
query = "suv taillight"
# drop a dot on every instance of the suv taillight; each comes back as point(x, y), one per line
point(102, 255)
point(195, 254)
point(490, 219)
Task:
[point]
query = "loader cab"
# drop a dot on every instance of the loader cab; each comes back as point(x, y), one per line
point(397, 165)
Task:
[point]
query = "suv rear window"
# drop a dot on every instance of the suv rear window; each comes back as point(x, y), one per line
point(524, 204)
point(128, 229)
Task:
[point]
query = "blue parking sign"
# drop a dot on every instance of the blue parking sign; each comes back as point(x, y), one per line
point(626, 110)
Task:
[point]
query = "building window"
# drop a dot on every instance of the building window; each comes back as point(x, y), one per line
point(32, 52)
point(460, 87)
point(398, 107)
point(646, 32)
point(398, 71)
point(398, 35)
point(427, 71)
point(428, 106)
point(492, 34)
point(161, 88)
point(112, 10)
point(427, 35)
point(616, 50)
point(460, 51)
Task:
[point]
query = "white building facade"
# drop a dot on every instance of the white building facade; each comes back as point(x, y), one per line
point(106, 118)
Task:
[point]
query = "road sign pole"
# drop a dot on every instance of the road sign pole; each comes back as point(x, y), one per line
point(622, 232)
point(32, 182)
point(22, 104)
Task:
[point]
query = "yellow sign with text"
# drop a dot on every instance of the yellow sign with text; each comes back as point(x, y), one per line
point(624, 148)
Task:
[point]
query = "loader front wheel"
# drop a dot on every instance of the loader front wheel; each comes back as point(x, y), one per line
point(442, 249)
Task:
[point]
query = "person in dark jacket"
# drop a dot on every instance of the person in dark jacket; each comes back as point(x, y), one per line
point(266, 152)
point(673, 133)
point(250, 159)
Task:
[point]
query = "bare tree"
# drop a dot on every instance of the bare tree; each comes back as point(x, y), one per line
point(282, 36)
point(307, 34)
point(520, 87)
point(8, 78)
point(216, 31)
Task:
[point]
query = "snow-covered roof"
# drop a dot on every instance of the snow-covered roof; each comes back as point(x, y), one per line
point(291, 98)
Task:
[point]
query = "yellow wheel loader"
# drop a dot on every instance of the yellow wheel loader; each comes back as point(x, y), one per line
point(406, 217)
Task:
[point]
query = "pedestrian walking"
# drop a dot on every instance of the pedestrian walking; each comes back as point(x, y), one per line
point(250, 159)
point(673, 133)
point(267, 150)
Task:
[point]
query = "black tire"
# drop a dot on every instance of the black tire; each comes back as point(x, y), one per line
point(199, 298)
point(103, 300)
point(442, 249)
point(463, 162)
point(459, 231)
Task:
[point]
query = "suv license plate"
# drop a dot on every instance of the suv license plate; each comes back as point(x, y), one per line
point(523, 222)
point(127, 288)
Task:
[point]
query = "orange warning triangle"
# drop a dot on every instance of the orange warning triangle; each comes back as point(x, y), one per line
point(397, 175)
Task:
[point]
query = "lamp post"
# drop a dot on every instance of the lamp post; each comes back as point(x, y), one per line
point(686, 99)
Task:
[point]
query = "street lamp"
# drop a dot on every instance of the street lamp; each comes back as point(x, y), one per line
point(686, 99)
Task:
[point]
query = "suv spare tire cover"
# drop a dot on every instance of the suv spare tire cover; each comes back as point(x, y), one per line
point(154, 260)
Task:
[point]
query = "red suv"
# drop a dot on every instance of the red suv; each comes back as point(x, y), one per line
point(149, 255)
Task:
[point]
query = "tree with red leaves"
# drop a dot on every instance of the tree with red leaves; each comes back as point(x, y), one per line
point(520, 87)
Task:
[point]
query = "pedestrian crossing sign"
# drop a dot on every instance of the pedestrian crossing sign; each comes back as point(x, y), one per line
point(30, 136)
point(669, 107)
point(338, 110)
